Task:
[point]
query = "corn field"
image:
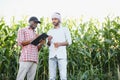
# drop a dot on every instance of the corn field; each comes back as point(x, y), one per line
point(93, 55)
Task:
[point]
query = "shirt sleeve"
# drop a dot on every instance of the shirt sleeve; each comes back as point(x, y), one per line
point(20, 37)
point(68, 36)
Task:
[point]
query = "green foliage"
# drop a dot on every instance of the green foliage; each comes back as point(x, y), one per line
point(94, 54)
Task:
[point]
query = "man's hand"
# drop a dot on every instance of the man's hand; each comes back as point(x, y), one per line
point(49, 40)
point(27, 42)
point(57, 45)
point(42, 42)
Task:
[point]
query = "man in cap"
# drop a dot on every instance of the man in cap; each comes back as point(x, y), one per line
point(29, 53)
point(59, 38)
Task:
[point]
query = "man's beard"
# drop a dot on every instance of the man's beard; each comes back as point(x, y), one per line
point(33, 27)
point(56, 24)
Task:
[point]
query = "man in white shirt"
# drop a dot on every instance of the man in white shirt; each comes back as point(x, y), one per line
point(59, 38)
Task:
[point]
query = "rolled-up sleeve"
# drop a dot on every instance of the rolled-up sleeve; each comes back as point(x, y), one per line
point(20, 37)
point(68, 36)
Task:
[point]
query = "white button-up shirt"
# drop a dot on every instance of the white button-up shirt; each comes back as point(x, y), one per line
point(61, 34)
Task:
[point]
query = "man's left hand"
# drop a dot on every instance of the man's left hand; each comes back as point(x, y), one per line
point(42, 42)
point(57, 45)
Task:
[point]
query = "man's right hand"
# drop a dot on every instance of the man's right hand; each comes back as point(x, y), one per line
point(50, 38)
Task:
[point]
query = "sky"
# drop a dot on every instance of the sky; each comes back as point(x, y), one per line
point(68, 8)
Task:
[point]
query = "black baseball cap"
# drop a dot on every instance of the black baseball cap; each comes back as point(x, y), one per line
point(33, 18)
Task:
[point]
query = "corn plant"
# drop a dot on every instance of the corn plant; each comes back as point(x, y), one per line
point(93, 55)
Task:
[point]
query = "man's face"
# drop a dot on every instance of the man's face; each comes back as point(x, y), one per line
point(33, 24)
point(55, 21)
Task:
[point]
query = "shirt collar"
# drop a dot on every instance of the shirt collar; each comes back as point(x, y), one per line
point(58, 28)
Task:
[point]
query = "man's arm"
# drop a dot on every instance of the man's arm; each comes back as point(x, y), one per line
point(68, 36)
point(24, 43)
point(49, 40)
point(41, 44)
point(58, 44)
point(68, 39)
point(49, 43)
point(39, 47)
point(64, 44)
point(21, 39)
